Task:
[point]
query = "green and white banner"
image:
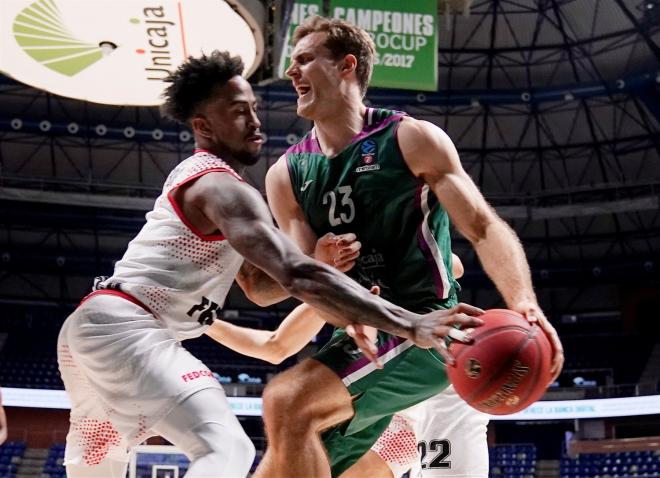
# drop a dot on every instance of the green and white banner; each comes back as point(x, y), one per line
point(299, 12)
point(405, 34)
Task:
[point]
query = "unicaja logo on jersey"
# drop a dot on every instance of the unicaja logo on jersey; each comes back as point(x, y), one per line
point(42, 34)
point(368, 151)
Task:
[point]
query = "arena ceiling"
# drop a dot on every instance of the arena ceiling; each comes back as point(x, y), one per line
point(554, 106)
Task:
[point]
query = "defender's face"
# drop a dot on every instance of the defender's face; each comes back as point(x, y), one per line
point(315, 76)
point(232, 121)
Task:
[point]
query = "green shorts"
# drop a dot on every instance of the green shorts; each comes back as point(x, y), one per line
point(409, 375)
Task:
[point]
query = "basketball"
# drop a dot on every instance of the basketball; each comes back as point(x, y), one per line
point(506, 368)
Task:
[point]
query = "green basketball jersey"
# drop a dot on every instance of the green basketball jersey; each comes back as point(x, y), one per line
point(368, 189)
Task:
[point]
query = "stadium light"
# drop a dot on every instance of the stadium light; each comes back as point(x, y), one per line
point(129, 132)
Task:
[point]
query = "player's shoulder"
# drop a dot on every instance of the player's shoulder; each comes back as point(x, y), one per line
point(418, 127)
point(420, 141)
point(278, 173)
point(306, 144)
point(375, 116)
point(416, 133)
point(215, 186)
point(378, 119)
point(199, 164)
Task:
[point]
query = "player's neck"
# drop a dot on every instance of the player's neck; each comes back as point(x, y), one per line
point(335, 131)
point(221, 153)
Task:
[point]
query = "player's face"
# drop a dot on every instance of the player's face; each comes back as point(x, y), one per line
point(233, 125)
point(315, 76)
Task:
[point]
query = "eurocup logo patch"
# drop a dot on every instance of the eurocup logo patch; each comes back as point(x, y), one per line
point(368, 150)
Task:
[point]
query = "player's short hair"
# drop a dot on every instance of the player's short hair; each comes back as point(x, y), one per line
point(194, 82)
point(343, 38)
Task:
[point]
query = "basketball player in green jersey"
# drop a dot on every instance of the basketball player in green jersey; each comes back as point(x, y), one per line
point(394, 181)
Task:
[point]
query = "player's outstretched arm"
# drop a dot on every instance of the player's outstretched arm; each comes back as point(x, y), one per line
point(239, 212)
point(295, 331)
point(431, 156)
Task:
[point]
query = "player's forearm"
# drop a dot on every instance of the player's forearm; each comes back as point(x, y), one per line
point(250, 342)
point(342, 301)
point(503, 258)
point(295, 331)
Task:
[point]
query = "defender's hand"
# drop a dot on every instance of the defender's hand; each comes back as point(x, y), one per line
point(338, 251)
point(533, 313)
point(432, 329)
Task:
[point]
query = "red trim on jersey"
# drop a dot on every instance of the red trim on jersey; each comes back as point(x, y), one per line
point(117, 293)
point(179, 211)
point(228, 168)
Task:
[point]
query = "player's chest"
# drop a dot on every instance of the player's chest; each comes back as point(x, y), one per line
point(345, 191)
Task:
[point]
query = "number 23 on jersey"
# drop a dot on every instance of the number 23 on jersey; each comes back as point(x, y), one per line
point(341, 206)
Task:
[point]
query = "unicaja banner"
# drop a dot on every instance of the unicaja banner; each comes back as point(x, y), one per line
point(117, 52)
point(406, 37)
point(405, 34)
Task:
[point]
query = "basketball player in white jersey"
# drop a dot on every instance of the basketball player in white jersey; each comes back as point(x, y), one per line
point(120, 354)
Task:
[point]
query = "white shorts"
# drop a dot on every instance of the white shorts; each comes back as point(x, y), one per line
point(449, 439)
point(123, 372)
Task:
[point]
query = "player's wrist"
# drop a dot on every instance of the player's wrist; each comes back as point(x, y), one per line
point(415, 323)
point(525, 303)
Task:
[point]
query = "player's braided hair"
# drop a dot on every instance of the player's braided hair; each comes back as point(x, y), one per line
point(195, 80)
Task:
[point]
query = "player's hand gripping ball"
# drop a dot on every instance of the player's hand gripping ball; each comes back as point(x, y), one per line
point(507, 366)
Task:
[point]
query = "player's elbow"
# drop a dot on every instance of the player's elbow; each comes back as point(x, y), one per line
point(259, 291)
point(261, 298)
point(276, 353)
point(478, 230)
point(276, 358)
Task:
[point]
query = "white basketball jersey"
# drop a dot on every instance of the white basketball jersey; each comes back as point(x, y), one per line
point(181, 275)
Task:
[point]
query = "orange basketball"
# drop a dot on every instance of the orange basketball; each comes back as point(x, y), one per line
point(506, 368)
